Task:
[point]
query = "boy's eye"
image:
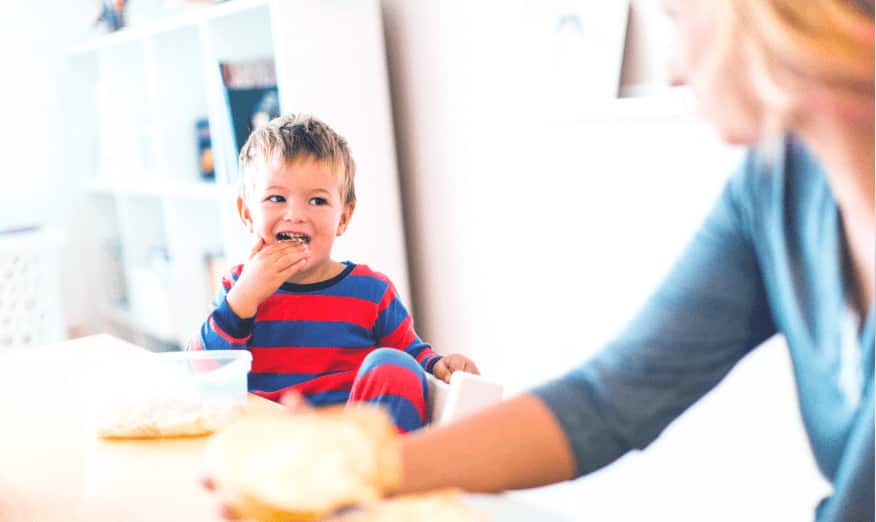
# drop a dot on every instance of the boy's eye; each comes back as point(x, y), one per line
point(275, 199)
point(318, 201)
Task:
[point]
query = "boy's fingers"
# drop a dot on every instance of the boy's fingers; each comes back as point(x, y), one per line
point(441, 371)
point(280, 247)
point(282, 251)
point(470, 367)
point(458, 362)
point(256, 247)
point(295, 266)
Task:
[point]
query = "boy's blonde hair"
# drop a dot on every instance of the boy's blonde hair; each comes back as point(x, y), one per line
point(792, 48)
point(292, 137)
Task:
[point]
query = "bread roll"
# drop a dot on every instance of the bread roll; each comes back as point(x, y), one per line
point(306, 466)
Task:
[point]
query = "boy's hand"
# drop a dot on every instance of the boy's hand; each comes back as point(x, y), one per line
point(448, 364)
point(269, 265)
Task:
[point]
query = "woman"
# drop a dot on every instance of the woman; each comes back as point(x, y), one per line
point(789, 249)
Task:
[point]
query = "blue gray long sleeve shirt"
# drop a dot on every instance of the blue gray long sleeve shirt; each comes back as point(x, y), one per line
point(769, 259)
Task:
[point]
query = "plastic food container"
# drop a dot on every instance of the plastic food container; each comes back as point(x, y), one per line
point(172, 394)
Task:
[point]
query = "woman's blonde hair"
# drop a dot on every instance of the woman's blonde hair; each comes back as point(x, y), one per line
point(800, 52)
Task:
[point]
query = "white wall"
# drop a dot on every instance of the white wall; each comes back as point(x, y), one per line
point(37, 186)
point(31, 101)
point(650, 41)
point(536, 233)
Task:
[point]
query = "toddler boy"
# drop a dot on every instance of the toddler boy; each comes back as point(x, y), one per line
point(333, 331)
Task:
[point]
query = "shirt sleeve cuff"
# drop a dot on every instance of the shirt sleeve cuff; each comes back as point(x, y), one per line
point(230, 322)
point(430, 361)
point(593, 445)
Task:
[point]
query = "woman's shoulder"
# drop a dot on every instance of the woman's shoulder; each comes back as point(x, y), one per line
point(776, 193)
point(782, 173)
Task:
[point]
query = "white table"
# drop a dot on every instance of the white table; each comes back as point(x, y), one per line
point(53, 467)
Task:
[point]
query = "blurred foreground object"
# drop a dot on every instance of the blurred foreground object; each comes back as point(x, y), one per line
point(305, 466)
point(30, 298)
point(172, 394)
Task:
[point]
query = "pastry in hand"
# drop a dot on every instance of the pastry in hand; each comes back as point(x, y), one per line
point(306, 466)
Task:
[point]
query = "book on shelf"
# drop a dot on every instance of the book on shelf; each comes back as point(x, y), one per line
point(205, 150)
point(251, 96)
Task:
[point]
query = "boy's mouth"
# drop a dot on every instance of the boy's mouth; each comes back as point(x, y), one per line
point(297, 238)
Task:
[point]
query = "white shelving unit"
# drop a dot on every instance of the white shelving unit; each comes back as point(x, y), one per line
point(135, 96)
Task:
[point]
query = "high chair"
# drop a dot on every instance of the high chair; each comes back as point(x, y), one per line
point(465, 394)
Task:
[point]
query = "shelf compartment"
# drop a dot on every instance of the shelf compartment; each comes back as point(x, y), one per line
point(100, 234)
point(123, 119)
point(162, 189)
point(180, 101)
point(197, 236)
point(252, 34)
point(253, 42)
point(189, 17)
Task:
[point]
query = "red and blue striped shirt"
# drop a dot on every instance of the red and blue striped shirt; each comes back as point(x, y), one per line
point(313, 337)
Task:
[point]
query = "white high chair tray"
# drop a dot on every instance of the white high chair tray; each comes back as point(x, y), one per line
point(465, 394)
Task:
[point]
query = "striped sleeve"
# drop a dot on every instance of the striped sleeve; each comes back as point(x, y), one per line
point(223, 329)
point(394, 328)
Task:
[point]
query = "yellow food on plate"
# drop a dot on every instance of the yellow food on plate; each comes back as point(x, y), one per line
point(305, 466)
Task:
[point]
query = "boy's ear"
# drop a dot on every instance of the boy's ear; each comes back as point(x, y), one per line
point(346, 215)
point(243, 212)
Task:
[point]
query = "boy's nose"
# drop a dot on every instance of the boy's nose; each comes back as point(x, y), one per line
point(293, 214)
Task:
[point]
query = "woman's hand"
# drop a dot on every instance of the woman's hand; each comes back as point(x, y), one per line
point(268, 267)
point(448, 364)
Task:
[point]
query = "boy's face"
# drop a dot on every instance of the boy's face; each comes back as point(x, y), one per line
point(301, 198)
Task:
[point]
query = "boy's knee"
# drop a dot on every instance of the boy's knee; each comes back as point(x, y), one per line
point(396, 380)
point(389, 356)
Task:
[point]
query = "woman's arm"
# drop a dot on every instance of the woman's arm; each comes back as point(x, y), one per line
point(707, 314)
point(515, 444)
